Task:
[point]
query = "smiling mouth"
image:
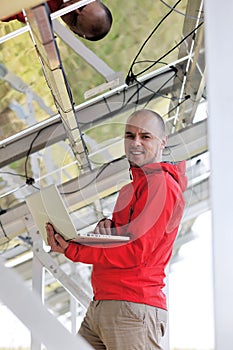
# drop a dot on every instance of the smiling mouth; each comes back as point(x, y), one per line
point(136, 153)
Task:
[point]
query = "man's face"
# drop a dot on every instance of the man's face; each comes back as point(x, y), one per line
point(143, 142)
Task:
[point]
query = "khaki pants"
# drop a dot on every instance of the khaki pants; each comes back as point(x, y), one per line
point(123, 325)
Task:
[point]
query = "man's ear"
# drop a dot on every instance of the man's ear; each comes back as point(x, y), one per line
point(164, 142)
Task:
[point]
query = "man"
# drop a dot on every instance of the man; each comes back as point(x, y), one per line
point(92, 21)
point(129, 309)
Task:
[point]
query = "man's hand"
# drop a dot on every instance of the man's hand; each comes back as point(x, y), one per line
point(104, 227)
point(56, 242)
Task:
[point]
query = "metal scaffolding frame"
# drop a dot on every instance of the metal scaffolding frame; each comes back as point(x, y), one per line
point(182, 142)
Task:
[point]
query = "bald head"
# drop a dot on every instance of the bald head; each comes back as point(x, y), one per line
point(145, 137)
point(156, 121)
point(92, 21)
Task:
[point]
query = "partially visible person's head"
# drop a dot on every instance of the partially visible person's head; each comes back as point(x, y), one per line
point(92, 21)
point(145, 138)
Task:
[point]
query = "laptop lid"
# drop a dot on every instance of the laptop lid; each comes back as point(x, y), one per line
point(47, 205)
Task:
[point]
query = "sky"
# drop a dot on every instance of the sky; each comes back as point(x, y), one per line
point(189, 294)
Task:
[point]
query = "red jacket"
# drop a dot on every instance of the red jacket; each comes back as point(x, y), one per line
point(54, 5)
point(149, 209)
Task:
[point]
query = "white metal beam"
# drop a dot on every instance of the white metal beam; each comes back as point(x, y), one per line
point(37, 281)
point(47, 49)
point(83, 51)
point(25, 305)
point(219, 54)
point(77, 289)
point(181, 145)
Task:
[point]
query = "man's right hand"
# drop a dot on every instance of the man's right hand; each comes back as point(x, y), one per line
point(104, 227)
point(56, 241)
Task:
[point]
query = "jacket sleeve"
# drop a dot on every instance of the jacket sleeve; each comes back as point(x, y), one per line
point(20, 17)
point(150, 216)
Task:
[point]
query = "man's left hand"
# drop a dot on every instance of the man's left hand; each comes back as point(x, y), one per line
point(57, 242)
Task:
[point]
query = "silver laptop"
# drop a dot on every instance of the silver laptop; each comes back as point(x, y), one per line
point(47, 205)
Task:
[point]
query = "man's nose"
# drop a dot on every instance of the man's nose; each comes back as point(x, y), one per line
point(136, 141)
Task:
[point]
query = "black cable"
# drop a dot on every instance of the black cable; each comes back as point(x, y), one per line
point(181, 13)
point(104, 166)
point(130, 74)
point(37, 188)
point(166, 54)
point(147, 61)
point(174, 47)
point(107, 105)
point(157, 92)
point(27, 240)
point(131, 77)
point(14, 174)
point(30, 180)
point(124, 102)
point(178, 104)
point(3, 230)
